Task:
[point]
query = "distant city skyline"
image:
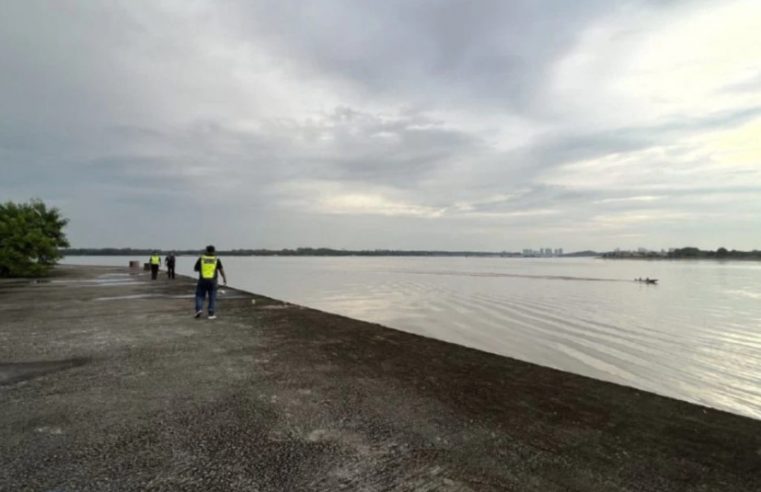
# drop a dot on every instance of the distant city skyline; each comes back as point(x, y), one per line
point(451, 125)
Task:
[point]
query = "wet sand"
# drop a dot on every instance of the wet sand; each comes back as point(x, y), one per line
point(108, 383)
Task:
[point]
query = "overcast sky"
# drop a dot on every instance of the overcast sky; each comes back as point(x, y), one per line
point(480, 125)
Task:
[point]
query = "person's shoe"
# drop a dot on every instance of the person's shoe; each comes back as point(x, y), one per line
point(198, 314)
point(212, 316)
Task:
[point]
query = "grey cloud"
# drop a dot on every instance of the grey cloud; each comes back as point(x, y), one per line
point(398, 150)
point(712, 121)
point(494, 54)
point(438, 52)
point(569, 146)
point(120, 111)
point(346, 144)
point(750, 84)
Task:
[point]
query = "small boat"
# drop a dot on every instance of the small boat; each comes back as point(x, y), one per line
point(652, 281)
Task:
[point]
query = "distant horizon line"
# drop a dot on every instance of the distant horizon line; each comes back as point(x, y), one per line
point(302, 251)
point(325, 251)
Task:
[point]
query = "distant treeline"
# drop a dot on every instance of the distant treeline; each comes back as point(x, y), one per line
point(679, 253)
point(686, 253)
point(580, 254)
point(719, 253)
point(280, 252)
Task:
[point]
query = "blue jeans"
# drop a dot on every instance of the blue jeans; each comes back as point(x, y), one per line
point(202, 288)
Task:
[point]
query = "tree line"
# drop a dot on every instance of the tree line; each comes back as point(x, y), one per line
point(686, 253)
point(280, 252)
point(720, 253)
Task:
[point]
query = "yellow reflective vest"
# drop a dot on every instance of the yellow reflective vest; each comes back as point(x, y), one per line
point(155, 260)
point(208, 267)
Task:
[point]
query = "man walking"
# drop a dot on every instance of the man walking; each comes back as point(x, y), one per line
point(208, 266)
point(155, 263)
point(169, 262)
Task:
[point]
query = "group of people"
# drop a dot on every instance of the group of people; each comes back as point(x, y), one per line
point(208, 266)
point(155, 262)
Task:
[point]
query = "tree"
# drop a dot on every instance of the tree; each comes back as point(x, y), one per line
point(30, 235)
point(689, 252)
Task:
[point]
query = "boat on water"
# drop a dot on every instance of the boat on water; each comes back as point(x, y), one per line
point(652, 281)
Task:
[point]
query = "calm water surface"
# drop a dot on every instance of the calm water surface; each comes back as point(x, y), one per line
point(696, 336)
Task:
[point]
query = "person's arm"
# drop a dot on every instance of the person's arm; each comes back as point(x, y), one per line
point(197, 268)
point(222, 272)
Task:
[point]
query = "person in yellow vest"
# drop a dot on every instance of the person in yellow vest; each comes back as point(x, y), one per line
point(208, 267)
point(155, 262)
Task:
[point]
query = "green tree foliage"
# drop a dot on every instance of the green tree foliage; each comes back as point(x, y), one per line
point(30, 235)
point(689, 252)
point(721, 253)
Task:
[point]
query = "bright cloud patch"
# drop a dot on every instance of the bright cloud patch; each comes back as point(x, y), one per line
point(355, 203)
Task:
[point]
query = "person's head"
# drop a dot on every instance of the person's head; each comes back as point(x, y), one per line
point(210, 249)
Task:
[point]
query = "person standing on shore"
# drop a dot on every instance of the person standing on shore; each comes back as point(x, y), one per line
point(169, 261)
point(155, 262)
point(208, 266)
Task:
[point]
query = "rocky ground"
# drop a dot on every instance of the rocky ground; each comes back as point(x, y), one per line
point(107, 382)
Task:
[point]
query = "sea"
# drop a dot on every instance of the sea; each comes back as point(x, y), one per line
point(694, 336)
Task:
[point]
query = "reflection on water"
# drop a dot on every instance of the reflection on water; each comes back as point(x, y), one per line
point(695, 336)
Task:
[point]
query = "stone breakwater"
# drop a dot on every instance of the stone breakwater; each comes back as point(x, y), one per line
point(108, 383)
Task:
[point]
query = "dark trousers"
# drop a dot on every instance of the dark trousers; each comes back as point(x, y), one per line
point(154, 271)
point(203, 288)
point(170, 270)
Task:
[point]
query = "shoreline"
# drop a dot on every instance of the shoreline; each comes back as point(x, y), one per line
point(105, 376)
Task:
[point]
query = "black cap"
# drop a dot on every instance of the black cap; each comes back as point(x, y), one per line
point(210, 248)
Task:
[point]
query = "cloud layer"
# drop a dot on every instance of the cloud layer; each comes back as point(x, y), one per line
point(426, 124)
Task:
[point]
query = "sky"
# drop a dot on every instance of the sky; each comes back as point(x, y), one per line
point(403, 124)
